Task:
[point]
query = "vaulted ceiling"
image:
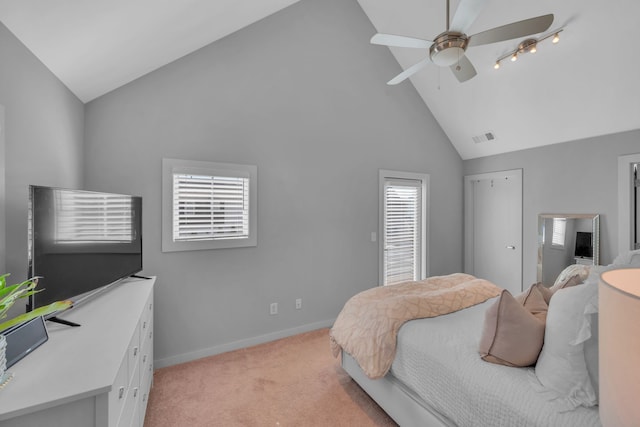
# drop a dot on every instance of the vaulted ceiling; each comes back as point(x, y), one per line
point(585, 85)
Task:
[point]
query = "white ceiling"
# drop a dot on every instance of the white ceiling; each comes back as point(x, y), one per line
point(95, 46)
point(584, 86)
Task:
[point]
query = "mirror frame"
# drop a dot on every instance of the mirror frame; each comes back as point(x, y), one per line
point(595, 219)
point(625, 209)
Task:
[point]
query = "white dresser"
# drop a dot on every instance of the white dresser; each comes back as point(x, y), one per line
point(98, 374)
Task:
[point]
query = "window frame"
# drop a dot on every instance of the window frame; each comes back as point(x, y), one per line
point(177, 166)
point(384, 176)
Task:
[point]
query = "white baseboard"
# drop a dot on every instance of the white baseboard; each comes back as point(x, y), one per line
point(236, 345)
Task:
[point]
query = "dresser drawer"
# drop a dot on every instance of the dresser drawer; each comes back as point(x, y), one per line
point(118, 393)
point(133, 355)
point(146, 379)
point(146, 333)
point(127, 418)
point(146, 321)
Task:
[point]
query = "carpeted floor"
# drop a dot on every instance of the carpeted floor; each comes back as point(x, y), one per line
point(294, 381)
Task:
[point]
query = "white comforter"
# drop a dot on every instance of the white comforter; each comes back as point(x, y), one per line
point(438, 359)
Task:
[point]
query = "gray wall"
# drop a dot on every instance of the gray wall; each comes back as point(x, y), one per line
point(44, 125)
point(573, 177)
point(302, 95)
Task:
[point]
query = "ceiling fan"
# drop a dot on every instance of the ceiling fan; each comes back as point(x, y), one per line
point(447, 49)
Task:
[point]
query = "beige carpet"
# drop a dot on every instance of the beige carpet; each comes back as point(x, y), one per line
point(294, 381)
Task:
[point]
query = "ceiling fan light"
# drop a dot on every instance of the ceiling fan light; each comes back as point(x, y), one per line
point(447, 57)
point(448, 48)
point(514, 57)
point(497, 65)
point(533, 49)
point(556, 38)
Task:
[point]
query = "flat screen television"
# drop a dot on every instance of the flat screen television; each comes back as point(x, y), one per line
point(80, 242)
point(584, 247)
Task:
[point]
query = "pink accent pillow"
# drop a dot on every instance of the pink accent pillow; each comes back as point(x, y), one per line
point(536, 300)
point(513, 336)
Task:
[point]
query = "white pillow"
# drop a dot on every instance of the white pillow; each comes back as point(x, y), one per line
point(561, 367)
point(574, 269)
point(628, 258)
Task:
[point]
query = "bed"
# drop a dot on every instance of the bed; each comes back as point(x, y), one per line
point(437, 377)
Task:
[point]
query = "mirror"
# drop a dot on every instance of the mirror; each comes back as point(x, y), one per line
point(565, 239)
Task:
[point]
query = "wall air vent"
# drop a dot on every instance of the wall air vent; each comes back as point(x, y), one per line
point(484, 137)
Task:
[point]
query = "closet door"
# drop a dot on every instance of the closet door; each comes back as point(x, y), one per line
point(493, 228)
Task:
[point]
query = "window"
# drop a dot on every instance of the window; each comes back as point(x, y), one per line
point(208, 205)
point(559, 232)
point(403, 231)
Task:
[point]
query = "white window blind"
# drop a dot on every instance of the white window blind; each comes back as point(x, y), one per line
point(209, 207)
point(88, 217)
point(402, 230)
point(559, 231)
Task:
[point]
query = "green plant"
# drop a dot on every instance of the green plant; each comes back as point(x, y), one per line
point(10, 294)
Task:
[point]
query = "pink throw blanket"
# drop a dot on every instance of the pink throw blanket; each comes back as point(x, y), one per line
point(368, 325)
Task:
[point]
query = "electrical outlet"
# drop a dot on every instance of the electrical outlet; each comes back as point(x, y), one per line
point(273, 308)
point(298, 303)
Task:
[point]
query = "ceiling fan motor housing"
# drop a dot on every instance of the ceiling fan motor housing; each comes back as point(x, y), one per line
point(448, 48)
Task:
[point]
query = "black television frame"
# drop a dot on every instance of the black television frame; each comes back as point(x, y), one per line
point(584, 245)
point(79, 283)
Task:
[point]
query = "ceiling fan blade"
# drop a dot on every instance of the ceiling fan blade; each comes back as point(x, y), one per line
point(464, 69)
point(399, 41)
point(512, 31)
point(466, 14)
point(409, 72)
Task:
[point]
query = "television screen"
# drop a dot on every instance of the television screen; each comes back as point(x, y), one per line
point(584, 248)
point(80, 241)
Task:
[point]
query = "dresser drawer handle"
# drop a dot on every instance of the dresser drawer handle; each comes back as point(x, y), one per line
point(135, 392)
point(135, 351)
point(120, 392)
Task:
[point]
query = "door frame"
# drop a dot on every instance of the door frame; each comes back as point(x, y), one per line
point(469, 216)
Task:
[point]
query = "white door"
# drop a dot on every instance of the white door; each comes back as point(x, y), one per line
point(493, 224)
point(403, 226)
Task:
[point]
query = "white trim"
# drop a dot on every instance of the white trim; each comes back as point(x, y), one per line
point(3, 199)
point(236, 345)
point(624, 201)
point(425, 178)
